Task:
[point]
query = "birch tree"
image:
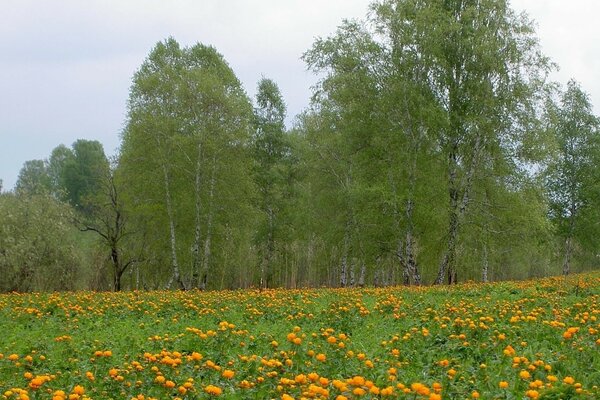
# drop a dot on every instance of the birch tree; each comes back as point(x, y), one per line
point(571, 176)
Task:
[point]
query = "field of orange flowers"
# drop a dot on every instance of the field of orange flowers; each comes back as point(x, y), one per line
point(512, 340)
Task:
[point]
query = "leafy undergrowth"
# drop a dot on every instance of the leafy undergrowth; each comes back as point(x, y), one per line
point(511, 340)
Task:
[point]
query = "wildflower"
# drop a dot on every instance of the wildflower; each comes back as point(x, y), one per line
point(170, 384)
point(524, 374)
point(569, 380)
point(213, 390)
point(78, 390)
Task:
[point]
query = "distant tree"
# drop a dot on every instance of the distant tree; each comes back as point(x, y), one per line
point(82, 174)
point(271, 151)
point(34, 178)
point(60, 157)
point(572, 175)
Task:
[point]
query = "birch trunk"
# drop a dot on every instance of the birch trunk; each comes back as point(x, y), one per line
point(209, 226)
point(197, 233)
point(485, 267)
point(175, 277)
point(265, 269)
point(345, 251)
point(566, 269)
point(458, 208)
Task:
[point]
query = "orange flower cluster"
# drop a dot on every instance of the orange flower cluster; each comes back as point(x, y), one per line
point(506, 340)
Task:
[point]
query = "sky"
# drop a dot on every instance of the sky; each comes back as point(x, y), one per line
point(66, 65)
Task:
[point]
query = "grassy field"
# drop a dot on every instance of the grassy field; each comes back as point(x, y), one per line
point(512, 340)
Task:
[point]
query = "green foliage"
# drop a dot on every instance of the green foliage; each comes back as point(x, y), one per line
point(82, 173)
point(571, 175)
point(34, 178)
point(37, 244)
point(186, 162)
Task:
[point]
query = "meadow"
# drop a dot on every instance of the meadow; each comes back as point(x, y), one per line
point(512, 340)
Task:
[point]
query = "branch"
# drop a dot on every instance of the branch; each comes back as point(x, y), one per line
point(92, 229)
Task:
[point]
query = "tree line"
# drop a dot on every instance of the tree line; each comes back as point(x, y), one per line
point(435, 150)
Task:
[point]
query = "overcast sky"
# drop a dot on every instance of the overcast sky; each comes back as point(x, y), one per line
point(66, 66)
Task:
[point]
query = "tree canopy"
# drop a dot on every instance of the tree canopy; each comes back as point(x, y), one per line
point(434, 150)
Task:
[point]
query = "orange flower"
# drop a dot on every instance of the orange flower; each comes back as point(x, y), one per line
point(228, 374)
point(79, 390)
point(213, 390)
point(569, 380)
point(524, 374)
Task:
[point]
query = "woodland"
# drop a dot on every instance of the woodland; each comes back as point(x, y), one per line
point(435, 150)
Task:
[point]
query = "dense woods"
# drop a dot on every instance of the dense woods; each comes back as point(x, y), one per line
point(435, 150)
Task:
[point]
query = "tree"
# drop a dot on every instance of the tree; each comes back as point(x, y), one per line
point(60, 157)
point(421, 88)
point(107, 219)
point(82, 173)
point(37, 244)
point(271, 152)
point(185, 155)
point(571, 176)
point(33, 178)
point(483, 72)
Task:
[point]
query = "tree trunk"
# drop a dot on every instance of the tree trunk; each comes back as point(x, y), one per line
point(566, 270)
point(345, 251)
point(195, 281)
point(457, 208)
point(209, 226)
point(361, 276)
point(485, 267)
point(265, 270)
point(114, 255)
point(411, 259)
point(175, 277)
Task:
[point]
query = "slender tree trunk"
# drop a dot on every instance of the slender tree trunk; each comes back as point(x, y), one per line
point(265, 269)
point(175, 277)
point(195, 281)
point(411, 256)
point(137, 277)
point(566, 269)
point(345, 251)
point(209, 226)
point(485, 266)
point(361, 275)
point(114, 255)
point(458, 207)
